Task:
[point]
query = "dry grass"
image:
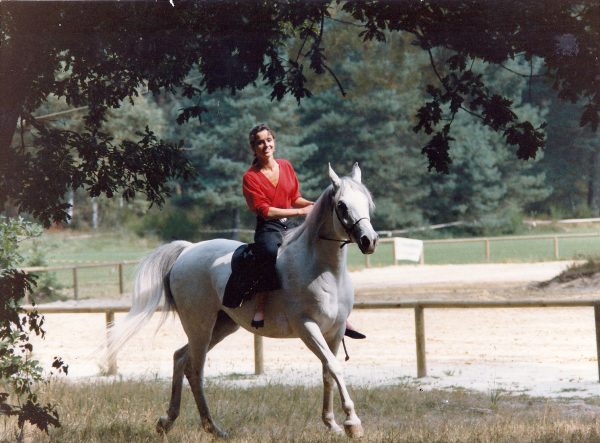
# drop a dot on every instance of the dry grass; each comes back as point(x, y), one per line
point(127, 412)
point(577, 271)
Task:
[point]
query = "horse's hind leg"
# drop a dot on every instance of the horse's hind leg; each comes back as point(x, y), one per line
point(194, 371)
point(224, 326)
point(180, 361)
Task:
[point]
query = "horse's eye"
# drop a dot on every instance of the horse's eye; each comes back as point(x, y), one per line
point(342, 207)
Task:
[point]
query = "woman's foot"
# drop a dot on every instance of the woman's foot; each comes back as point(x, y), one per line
point(353, 333)
point(258, 321)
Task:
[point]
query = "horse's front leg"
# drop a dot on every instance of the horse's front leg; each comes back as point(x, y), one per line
point(328, 415)
point(313, 338)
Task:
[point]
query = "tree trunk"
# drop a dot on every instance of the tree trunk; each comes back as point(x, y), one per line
point(21, 59)
point(71, 202)
point(94, 213)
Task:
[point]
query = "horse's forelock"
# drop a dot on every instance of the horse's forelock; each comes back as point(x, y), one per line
point(348, 182)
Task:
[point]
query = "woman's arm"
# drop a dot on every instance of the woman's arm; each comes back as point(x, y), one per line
point(292, 212)
point(301, 202)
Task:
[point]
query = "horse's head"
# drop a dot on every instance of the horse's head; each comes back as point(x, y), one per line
point(352, 204)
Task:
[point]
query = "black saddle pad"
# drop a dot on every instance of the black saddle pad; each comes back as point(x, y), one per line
point(242, 283)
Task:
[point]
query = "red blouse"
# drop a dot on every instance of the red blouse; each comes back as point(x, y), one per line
point(261, 194)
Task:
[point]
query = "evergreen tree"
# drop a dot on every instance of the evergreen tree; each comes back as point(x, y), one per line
point(571, 162)
point(486, 186)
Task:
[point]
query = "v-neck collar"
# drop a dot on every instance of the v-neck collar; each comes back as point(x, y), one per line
point(278, 176)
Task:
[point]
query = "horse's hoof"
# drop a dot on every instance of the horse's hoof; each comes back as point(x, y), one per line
point(216, 431)
point(354, 430)
point(221, 434)
point(335, 428)
point(163, 425)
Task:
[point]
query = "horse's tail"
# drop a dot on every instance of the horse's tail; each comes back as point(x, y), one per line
point(150, 283)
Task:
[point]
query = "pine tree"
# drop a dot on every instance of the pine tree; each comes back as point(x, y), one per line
point(486, 186)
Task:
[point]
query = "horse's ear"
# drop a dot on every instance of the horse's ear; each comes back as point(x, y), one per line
point(356, 175)
point(335, 180)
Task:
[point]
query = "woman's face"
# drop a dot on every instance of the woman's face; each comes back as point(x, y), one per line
point(264, 146)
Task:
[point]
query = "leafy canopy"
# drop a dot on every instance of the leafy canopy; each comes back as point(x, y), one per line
point(97, 55)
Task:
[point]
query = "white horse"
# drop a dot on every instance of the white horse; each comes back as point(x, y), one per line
point(313, 304)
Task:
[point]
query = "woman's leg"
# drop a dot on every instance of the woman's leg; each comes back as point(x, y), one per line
point(267, 240)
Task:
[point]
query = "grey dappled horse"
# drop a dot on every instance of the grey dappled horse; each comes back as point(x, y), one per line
point(313, 304)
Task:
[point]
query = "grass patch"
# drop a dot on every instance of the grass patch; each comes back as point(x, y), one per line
point(127, 411)
point(576, 271)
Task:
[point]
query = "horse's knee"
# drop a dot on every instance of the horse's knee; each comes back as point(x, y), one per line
point(180, 353)
point(333, 367)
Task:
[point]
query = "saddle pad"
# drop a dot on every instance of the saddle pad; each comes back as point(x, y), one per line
point(238, 282)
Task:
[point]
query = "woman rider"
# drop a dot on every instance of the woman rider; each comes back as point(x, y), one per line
point(271, 190)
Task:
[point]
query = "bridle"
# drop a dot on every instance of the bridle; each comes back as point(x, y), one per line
point(347, 229)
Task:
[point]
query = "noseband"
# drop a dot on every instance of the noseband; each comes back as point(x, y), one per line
point(347, 229)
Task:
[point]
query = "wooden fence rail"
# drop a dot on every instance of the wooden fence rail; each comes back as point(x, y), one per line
point(418, 306)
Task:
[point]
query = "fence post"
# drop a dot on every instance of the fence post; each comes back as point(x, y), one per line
point(487, 249)
point(121, 285)
point(420, 341)
point(367, 261)
point(259, 363)
point(75, 284)
point(556, 248)
point(111, 364)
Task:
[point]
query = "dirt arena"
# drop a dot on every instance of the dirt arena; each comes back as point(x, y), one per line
point(537, 351)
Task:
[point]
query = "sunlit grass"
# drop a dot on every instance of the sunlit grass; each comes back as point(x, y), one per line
point(127, 412)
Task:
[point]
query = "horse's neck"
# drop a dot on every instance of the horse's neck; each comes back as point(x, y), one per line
point(330, 252)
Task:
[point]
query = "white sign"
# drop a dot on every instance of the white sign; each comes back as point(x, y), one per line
point(408, 249)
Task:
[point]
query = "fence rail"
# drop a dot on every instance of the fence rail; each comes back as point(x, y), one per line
point(418, 306)
point(487, 242)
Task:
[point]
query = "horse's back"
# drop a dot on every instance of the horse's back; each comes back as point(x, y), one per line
point(202, 270)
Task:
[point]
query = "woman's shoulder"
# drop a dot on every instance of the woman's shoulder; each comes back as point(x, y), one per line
point(285, 163)
point(251, 172)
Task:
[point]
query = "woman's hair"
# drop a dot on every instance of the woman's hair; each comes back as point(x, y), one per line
point(255, 130)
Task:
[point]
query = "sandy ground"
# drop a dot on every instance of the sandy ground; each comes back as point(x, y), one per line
point(537, 351)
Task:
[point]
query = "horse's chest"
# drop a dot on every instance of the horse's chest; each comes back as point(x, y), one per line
point(329, 296)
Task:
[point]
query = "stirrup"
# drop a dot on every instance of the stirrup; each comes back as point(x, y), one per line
point(257, 324)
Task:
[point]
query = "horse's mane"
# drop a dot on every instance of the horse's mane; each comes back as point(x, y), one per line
point(323, 204)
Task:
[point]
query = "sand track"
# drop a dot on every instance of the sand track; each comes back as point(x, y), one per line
point(538, 351)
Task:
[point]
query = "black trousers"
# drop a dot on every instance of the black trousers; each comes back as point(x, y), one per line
point(268, 237)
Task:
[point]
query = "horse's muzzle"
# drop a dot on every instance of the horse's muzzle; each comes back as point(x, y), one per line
point(368, 243)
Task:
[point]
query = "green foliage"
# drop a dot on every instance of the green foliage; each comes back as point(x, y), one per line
point(486, 186)
point(47, 283)
point(17, 370)
point(171, 223)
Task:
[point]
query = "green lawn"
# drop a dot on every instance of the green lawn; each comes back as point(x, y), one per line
point(64, 249)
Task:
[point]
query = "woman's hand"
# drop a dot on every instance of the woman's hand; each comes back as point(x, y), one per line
point(305, 210)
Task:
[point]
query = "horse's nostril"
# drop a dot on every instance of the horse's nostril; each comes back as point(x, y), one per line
point(365, 242)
